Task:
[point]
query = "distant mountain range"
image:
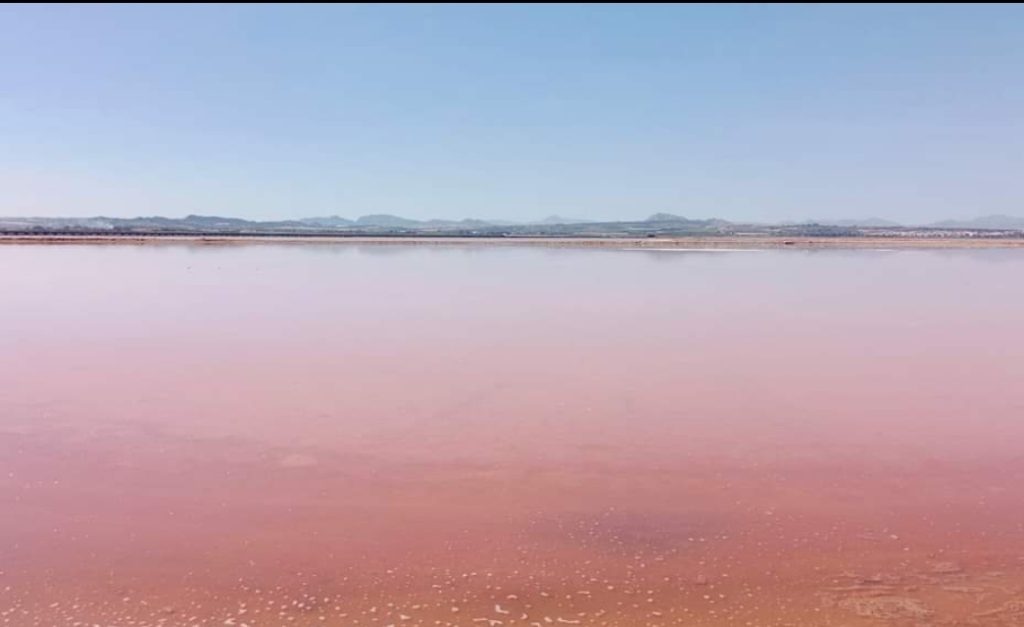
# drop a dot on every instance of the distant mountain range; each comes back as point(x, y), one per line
point(658, 223)
point(374, 224)
point(199, 222)
point(984, 222)
point(387, 220)
point(996, 222)
point(392, 221)
point(865, 222)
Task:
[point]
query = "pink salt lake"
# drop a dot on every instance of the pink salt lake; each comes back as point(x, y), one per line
point(375, 435)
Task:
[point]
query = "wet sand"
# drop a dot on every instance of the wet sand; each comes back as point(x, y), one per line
point(280, 435)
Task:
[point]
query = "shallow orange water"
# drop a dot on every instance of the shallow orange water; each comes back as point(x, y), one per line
point(400, 435)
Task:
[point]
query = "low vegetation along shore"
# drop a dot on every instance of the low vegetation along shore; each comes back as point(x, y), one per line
point(681, 243)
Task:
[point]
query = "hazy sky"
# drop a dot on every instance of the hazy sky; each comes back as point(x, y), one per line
point(912, 113)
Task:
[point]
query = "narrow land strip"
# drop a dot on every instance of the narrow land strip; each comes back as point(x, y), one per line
point(681, 243)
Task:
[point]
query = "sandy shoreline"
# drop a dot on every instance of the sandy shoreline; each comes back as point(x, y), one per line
point(680, 243)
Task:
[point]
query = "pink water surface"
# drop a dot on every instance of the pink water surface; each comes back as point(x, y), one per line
point(442, 435)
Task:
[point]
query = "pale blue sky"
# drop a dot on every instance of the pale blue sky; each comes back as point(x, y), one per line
point(751, 112)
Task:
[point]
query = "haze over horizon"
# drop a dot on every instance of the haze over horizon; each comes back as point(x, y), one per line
point(746, 113)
